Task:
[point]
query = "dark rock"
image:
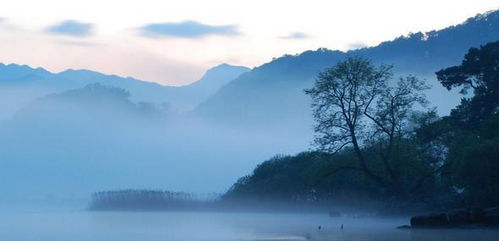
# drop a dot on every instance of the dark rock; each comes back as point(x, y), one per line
point(477, 217)
point(430, 221)
point(492, 211)
point(404, 227)
point(460, 217)
point(491, 217)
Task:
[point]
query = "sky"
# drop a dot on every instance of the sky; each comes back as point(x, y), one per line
point(172, 42)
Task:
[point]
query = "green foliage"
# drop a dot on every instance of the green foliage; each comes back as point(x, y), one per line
point(373, 145)
point(341, 99)
point(474, 163)
point(472, 129)
point(355, 105)
point(318, 177)
point(306, 177)
point(478, 71)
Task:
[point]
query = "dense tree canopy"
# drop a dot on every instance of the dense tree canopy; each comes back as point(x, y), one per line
point(373, 145)
point(478, 71)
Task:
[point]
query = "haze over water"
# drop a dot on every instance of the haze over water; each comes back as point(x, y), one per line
point(78, 225)
point(249, 120)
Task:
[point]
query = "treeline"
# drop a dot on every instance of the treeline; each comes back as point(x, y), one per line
point(145, 200)
point(379, 145)
point(318, 178)
point(382, 142)
point(155, 200)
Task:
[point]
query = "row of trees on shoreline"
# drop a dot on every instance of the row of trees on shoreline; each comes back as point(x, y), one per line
point(143, 200)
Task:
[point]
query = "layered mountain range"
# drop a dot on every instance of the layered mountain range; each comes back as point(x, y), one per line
point(72, 130)
point(20, 84)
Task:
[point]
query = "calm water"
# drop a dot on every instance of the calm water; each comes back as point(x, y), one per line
point(138, 226)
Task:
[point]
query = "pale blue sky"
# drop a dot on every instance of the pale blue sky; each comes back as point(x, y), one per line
point(173, 42)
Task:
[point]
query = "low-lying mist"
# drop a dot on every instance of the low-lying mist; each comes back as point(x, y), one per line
point(65, 146)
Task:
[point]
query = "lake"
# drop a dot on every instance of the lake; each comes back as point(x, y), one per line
point(79, 225)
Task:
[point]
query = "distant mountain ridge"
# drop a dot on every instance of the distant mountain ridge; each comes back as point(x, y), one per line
point(189, 96)
point(20, 84)
point(273, 92)
point(90, 104)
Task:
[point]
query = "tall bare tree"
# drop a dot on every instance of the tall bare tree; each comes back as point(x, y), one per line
point(356, 104)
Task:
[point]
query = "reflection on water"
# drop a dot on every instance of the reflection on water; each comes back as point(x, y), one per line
point(138, 226)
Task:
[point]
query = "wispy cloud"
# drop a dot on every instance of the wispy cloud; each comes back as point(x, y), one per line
point(187, 29)
point(6, 24)
point(71, 28)
point(295, 35)
point(80, 43)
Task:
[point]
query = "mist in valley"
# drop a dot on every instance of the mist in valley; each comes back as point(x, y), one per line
point(73, 143)
point(396, 141)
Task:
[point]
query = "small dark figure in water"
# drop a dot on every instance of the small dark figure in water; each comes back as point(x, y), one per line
point(319, 227)
point(341, 227)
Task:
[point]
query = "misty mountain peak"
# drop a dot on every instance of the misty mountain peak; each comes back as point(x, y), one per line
point(220, 75)
point(213, 79)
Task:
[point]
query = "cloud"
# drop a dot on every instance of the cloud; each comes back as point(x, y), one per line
point(5, 24)
point(80, 43)
point(295, 35)
point(71, 28)
point(187, 29)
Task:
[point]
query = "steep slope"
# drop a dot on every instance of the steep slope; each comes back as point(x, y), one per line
point(272, 94)
point(189, 96)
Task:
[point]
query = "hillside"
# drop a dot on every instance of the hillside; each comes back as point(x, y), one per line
point(272, 94)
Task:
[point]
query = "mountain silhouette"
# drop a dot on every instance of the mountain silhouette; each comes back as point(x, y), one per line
point(272, 94)
point(20, 84)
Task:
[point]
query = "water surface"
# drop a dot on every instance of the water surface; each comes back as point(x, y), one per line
point(24, 225)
